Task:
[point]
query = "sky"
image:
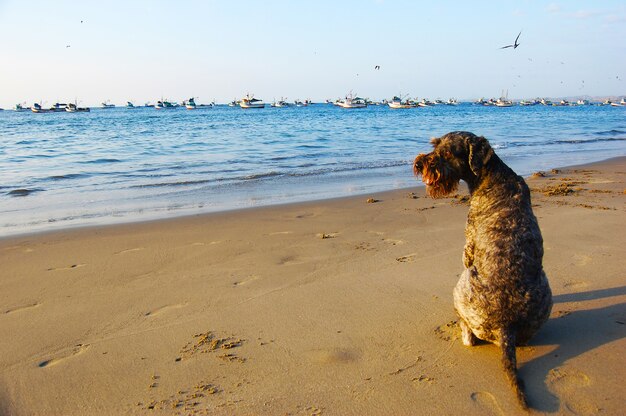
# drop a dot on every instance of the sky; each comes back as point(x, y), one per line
point(140, 50)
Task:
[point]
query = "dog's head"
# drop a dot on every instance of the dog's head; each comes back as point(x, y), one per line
point(457, 155)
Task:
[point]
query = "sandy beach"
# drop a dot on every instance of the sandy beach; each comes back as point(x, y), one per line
point(337, 307)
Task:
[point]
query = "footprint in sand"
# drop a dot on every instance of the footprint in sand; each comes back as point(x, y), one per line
point(575, 284)
point(568, 384)
point(73, 266)
point(22, 307)
point(245, 281)
point(165, 308)
point(406, 259)
point(486, 402)
point(24, 249)
point(76, 350)
point(130, 250)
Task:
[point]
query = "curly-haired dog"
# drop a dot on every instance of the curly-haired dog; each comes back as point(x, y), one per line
point(503, 295)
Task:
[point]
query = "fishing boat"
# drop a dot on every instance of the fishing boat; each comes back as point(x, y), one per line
point(622, 103)
point(526, 103)
point(37, 108)
point(504, 101)
point(161, 105)
point(20, 107)
point(234, 103)
point(130, 105)
point(582, 102)
point(190, 104)
point(452, 101)
point(280, 103)
point(74, 108)
point(107, 104)
point(250, 102)
point(425, 103)
point(396, 102)
point(545, 102)
point(304, 103)
point(352, 101)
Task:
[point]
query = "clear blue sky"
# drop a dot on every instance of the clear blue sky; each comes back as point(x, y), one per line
point(144, 50)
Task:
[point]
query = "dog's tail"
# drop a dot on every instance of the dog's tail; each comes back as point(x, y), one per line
point(509, 361)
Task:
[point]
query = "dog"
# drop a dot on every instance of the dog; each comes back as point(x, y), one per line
point(503, 295)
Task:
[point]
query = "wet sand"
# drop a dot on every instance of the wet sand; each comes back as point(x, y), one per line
point(338, 307)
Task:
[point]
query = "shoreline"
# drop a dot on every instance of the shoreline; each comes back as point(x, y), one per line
point(323, 307)
point(235, 211)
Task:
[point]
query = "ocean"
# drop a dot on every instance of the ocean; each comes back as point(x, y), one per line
point(61, 170)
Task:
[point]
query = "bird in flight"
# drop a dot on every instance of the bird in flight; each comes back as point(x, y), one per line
point(377, 67)
point(514, 45)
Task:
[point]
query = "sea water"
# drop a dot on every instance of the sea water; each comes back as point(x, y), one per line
point(59, 170)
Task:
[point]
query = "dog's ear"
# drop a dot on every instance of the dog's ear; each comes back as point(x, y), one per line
point(435, 141)
point(479, 153)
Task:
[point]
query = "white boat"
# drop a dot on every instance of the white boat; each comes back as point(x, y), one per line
point(74, 108)
point(424, 102)
point(397, 103)
point(526, 103)
point(250, 102)
point(280, 103)
point(545, 102)
point(190, 104)
point(304, 103)
point(352, 102)
point(452, 101)
point(582, 102)
point(107, 104)
point(622, 103)
point(504, 101)
point(130, 105)
point(233, 103)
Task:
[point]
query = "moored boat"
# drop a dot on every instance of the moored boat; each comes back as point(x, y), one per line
point(352, 101)
point(190, 104)
point(130, 105)
point(161, 105)
point(396, 103)
point(250, 102)
point(622, 103)
point(107, 104)
point(74, 108)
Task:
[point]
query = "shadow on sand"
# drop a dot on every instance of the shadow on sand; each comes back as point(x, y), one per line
point(574, 334)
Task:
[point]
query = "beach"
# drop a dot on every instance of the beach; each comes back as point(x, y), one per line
point(333, 307)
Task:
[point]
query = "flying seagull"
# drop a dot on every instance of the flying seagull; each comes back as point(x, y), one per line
point(377, 67)
point(514, 45)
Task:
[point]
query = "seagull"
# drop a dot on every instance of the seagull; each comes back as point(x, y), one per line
point(377, 67)
point(67, 46)
point(514, 45)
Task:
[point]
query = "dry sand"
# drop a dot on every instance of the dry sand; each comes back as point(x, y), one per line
point(338, 307)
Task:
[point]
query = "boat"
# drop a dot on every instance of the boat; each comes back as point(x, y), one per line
point(304, 103)
point(20, 107)
point(250, 102)
point(160, 105)
point(37, 108)
point(526, 103)
point(504, 101)
point(190, 104)
point(451, 101)
point(74, 108)
point(622, 103)
point(582, 102)
point(424, 102)
point(396, 103)
point(545, 102)
point(280, 103)
point(233, 103)
point(352, 101)
point(438, 101)
point(130, 105)
point(107, 104)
